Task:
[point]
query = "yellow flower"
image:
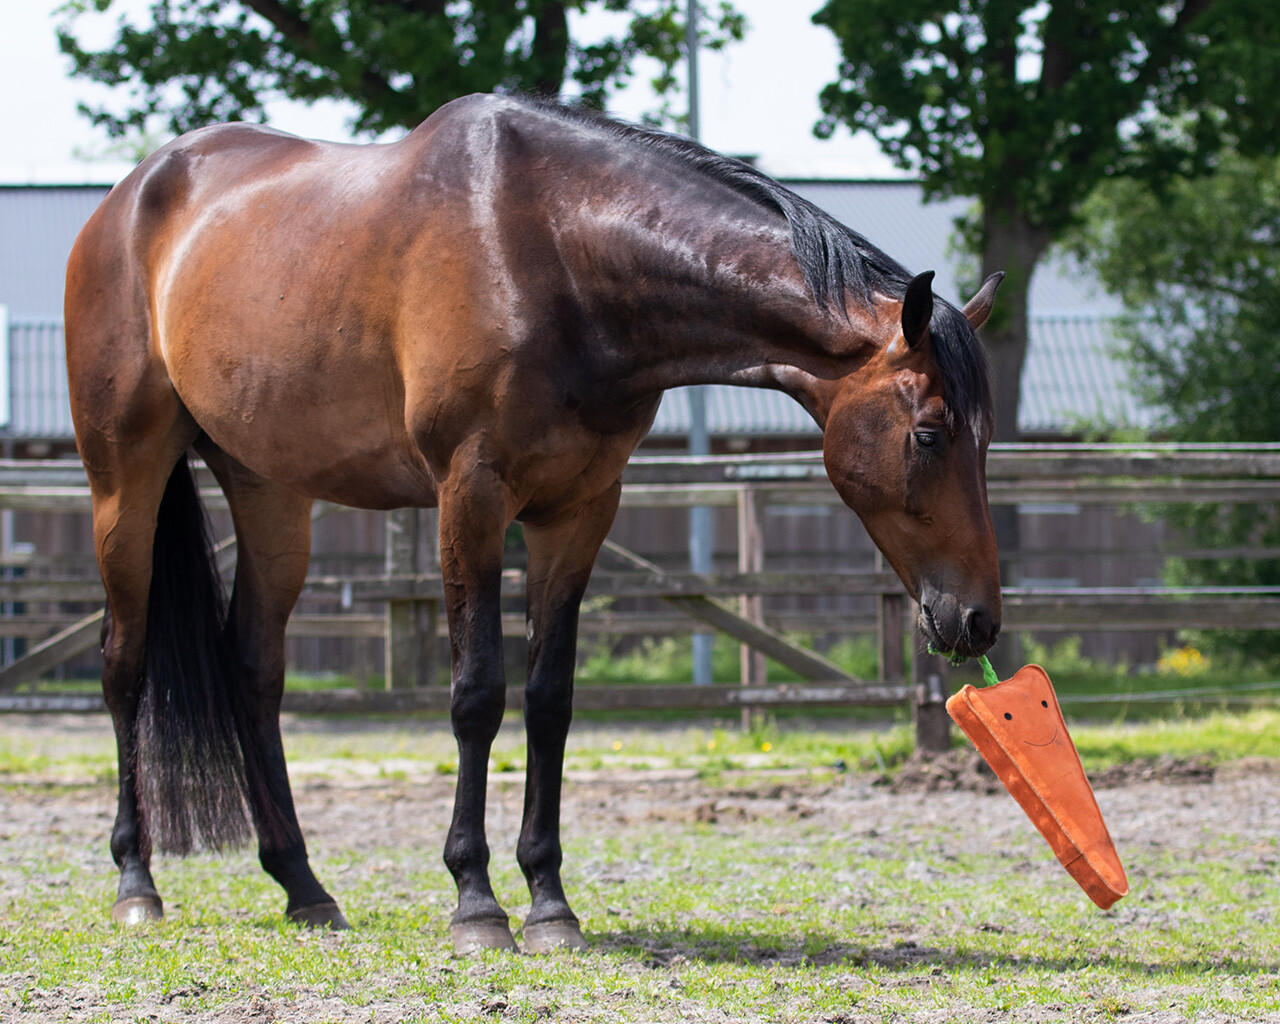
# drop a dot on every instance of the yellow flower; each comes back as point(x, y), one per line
point(617, 744)
point(766, 746)
point(1182, 661)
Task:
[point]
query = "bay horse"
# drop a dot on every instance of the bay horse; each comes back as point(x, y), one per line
point(482, 317)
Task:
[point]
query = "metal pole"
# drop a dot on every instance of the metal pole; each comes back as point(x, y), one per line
point(691, 46)
point(700, 535)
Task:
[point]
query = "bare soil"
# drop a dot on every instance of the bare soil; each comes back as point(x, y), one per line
point(1164, 804)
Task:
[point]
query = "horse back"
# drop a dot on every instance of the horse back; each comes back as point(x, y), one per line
point(344, 318)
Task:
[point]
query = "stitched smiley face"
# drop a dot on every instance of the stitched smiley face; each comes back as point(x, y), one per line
point(1027, 708)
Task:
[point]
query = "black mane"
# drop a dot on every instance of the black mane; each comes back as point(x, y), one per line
point(833, 258)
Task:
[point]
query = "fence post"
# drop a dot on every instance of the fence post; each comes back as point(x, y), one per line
point(411, 546)
point(751, 506)
point(930, 674)
point(754, 665)
point(891, 633)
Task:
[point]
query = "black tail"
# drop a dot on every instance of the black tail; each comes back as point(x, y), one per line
point(191, 775)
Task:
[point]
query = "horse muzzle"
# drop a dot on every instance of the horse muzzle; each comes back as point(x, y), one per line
point(957, 628)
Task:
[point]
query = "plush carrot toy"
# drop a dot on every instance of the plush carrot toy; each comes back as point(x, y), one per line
point(1018, 729)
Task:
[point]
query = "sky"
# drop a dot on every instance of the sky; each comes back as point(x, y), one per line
point(758, 98)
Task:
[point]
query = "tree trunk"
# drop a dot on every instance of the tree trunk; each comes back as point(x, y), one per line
point(1011, 244)
point(550, 57)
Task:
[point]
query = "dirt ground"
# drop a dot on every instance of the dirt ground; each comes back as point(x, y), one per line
point(1165, 803)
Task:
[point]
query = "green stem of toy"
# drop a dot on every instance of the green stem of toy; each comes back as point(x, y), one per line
point(989, 676)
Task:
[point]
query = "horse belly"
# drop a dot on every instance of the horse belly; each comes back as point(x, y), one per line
point(333, 428)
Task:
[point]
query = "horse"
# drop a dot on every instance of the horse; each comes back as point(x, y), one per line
point(480, 317)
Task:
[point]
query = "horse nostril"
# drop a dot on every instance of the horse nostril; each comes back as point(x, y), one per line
point(980, 626)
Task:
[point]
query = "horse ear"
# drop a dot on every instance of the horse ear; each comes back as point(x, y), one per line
point(917, 308)
point(978, 308)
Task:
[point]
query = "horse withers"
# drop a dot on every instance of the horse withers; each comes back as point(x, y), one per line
point(481, 317)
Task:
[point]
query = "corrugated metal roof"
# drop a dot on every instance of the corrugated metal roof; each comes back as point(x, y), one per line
point(1071, 376)
point(37, 226)
point(922, 236)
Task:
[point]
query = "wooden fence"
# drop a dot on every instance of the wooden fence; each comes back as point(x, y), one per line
point(408, 589)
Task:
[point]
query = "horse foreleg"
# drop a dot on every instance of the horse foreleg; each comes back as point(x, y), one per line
point(273, 545)
point(561, 554)
point(473, 520)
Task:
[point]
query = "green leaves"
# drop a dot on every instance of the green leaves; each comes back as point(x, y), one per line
point(1199, 266)
point(1045, 99)
point(200, 61)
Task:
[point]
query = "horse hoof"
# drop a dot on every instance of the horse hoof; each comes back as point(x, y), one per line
point(135, 910)
point(550, 936)
point(320, 915)
point(474, 936)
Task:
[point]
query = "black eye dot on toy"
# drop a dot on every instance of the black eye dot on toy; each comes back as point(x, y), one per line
point(1008, 717)
point(1044, 703)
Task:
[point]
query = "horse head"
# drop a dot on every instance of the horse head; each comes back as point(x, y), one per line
point(905, 446)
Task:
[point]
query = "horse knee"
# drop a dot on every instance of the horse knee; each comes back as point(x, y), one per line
point(476, 710)
point(548, 706)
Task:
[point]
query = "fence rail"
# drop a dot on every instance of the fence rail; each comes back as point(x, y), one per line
point(409, 588)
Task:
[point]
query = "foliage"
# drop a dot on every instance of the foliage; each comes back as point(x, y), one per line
point(1035, 103)
point(202, 61)
point(1028, 104)
point(1199, 267)
point(670, 660)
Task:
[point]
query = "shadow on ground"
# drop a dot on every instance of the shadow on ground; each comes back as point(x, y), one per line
point(662, 947)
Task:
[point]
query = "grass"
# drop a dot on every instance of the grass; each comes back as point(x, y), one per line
point(774, 917)
point(770, 920)
point(414, 745)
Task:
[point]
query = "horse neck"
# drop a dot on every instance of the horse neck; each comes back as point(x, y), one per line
point(717, 299)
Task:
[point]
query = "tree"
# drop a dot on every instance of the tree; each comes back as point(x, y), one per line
point(1026, 105)
point(201, 61)
point(1199, 267)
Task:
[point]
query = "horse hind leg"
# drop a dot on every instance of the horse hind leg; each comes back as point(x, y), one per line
point(273, 545)
point(179, 780)
point(124, 555)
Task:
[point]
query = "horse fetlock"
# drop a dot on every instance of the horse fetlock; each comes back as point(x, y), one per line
point(539, 859)
point(282, 863)
point(290, 868)
point(127, 845)
point(468, 862)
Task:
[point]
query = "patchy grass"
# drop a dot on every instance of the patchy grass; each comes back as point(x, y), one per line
point(831, 918)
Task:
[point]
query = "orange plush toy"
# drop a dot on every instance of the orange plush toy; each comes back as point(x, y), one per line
point(1018, 728)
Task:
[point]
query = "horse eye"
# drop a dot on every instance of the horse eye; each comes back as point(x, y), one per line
point(927, 438)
